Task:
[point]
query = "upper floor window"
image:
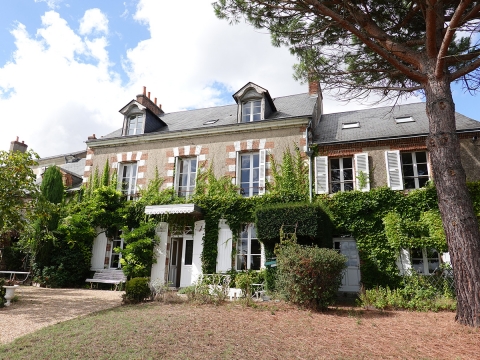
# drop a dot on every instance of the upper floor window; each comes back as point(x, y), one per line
point(249, 174)
point(128, 179)
point(135, 124)
point(415, 169)
point(186, 176)
point(252, 111)
point(249, 250)
point(406, 170)
point(341, 174)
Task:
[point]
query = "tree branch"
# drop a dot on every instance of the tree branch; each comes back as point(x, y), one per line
point(447, 39)
point(465, 70)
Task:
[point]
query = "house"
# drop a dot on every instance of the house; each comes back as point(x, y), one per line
point(355, 150)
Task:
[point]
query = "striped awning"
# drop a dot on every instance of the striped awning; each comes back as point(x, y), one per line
point(173, 209)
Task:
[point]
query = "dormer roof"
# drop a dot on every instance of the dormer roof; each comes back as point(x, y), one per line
point(243, 92)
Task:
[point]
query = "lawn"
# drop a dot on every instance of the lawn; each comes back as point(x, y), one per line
point(261, 331)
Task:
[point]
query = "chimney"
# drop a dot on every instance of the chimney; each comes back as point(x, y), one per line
point(313, 87)
point(18, 146)
point(92, 137)
point(145, 100)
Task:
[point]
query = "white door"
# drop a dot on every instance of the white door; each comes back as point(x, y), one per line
point(351, 275)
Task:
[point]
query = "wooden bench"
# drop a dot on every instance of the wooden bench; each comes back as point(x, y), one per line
point(108, 276)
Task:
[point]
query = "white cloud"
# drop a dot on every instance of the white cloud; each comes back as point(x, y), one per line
point(93, 21)
point(52, 4)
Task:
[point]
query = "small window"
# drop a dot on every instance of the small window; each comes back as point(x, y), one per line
point(404, 119)
point(350, 125)
point(128, 179)
point(415, 169)
point(341, 174)
point(135, 124)
point(425, 261)
point(188, 252)
point(252, 111)
point(210, 122)
point(249, 174)
point(187, 173)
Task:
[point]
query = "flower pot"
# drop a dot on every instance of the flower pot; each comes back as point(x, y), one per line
point(10, 293)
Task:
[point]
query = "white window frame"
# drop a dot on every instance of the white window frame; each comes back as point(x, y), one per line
point(251, 105)
point(261, 173)
point(137, 119)
point(131, 179)
point(247, 255)
point(425, 261)
point(113, 253)
point(342, 181)
point(415, 164)
point(190, 188)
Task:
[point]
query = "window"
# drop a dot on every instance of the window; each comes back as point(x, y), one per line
point(351, 125)
point(425, 261)
point(188, 252)
point(252, 111)
point(341, 174)
point(135, 124)
point(116, 256)
point(249, 174)
point(415, 169)
point(405, 119)
point(187, 173)
point(249, 251)
point(128, 179)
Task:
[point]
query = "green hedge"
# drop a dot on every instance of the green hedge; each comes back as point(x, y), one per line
point(312, 222)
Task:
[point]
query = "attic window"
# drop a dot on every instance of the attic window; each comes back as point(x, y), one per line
point(350, 125)
point(210, 122)
point(404, 119)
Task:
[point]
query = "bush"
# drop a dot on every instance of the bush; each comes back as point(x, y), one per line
point(2, 292)
point(137, 290)
point(309, 276)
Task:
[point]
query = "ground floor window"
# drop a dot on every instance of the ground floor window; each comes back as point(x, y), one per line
point(249, 250)
point(116, 255)
point(425, 261)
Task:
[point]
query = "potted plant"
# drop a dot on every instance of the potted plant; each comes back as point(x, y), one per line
point(9, 287)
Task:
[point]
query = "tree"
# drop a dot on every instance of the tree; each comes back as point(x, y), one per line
point(52, 185)
point(17, 184)
point(394, 48)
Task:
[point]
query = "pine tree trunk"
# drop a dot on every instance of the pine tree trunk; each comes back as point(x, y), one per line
point(459, 219)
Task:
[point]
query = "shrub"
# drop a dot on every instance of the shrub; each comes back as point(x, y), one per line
point(137, 289)
point(2, 292)
point(309, 276)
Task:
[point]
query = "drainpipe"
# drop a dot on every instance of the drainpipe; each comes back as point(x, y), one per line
point(309, 153)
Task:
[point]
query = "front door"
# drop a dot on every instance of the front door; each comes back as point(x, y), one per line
point(175, 266)
point(351, 275)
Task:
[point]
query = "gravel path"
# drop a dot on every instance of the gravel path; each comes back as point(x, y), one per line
point(40, 307)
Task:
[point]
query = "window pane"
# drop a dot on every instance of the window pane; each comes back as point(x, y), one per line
point(245, 159)
point(245, 176)
point(422, 181)
point(255, 175)
point(409, 183)
point(188, 252)
point(347, 174)
point(422, 169)
point(193, 165)
point(336, 187)
point(347, 163)
point(253, 232)
point(255, 247)
point(255, 262)
point(335, 175)
point(407, 158)
point(408, 170)
point(348, 186)
point(421, 157)
point(241, 262)
point(257, 117)
point(255, 160)
point(335, 164)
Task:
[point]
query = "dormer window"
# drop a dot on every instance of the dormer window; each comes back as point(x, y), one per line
point(252, 111)
point(135, 124)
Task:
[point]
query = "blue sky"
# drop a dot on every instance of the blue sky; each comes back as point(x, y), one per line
point(68, 66)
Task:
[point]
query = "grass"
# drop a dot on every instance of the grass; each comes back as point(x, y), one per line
point(237, 331)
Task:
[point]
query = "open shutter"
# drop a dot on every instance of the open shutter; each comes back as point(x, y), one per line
point(261, 176)
point(176, 173)
point(361, 166)
point(321, 174)
point(403, 262)
point(224, 247)
point(238, 169)
point(160, 253)
point(394, 170)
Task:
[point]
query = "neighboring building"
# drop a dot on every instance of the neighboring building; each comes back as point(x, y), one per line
point(356, 150)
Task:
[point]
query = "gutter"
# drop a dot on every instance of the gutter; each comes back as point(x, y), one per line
point(182, 134)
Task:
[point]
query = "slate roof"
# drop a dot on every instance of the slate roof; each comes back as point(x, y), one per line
point(287, 107)
point(379, 123)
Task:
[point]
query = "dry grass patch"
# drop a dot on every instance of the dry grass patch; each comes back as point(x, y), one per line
point(234, 331)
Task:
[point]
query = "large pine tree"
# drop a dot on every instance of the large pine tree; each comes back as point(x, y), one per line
point(394, 48)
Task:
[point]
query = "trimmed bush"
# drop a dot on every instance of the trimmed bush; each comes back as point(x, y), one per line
point(309, 276)
point(137, 289)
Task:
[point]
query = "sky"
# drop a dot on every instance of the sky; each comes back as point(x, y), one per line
point(68, 66)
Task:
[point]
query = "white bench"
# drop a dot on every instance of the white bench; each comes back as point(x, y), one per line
point(108, 276)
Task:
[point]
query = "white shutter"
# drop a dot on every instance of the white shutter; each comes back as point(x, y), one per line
point(160, 253)
point(198, 235)
point(99, 251)
point(361, 165)
point(238, 170)
point(321, 174)
point(403, 262)
point(175, 174)
point(261, 169)
point(224, 247)
point(394, 170)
